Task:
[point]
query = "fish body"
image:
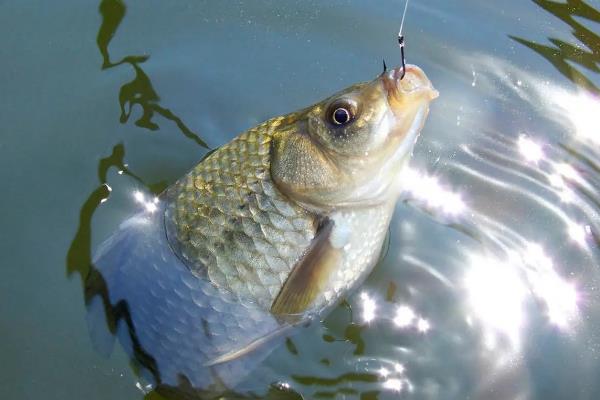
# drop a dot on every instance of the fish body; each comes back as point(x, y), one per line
point(230, 224)
point(267, 231)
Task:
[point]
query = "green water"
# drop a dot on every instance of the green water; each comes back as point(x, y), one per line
point(132, 94)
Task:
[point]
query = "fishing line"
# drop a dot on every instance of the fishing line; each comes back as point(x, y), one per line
point(401, 41)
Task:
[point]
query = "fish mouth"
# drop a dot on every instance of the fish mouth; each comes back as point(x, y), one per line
point(407, 86)
point(409, 93)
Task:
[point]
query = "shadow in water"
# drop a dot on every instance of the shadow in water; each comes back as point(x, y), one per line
point(79, 253)
point(566, 56)
point(140, 90)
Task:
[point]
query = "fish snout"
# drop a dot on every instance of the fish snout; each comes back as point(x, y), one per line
point(412, 84)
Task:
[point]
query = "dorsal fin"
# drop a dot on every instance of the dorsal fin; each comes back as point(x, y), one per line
point(310, 274)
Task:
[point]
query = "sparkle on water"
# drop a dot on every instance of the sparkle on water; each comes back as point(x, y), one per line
point(151, 205)
point(582, 110)
point(423, 325)
point(498, 289)
point(487, 282)
point(431, 193)
point(393, 384)
point(368, 307)
point(404, 316)
point(393, 378)
point(384, 372)
point(559, 296)
point(531, 150)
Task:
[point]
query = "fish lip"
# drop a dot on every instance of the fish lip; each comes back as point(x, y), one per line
point(413, 83)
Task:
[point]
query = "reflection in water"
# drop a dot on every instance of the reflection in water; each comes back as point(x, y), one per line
point(564, 54)
point(140, 90)
point(481, 306)
point(79, 254)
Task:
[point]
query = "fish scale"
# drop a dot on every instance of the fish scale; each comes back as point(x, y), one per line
point(230, 224)
point(182, 320)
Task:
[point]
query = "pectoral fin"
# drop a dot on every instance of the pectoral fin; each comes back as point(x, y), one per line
point(310, 274)
point(250, 347)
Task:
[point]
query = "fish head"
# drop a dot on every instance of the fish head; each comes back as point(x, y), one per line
point(348, 149)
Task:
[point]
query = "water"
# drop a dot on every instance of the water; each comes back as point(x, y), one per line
point(490, 285)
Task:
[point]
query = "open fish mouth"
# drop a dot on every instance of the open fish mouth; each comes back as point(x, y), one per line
point(413, 83)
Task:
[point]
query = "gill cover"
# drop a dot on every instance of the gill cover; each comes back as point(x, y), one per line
point(328, 149)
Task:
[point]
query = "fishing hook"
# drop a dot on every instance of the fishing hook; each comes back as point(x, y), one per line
point(401, 43)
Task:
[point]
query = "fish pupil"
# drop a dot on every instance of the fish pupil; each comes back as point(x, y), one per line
point(341, 116)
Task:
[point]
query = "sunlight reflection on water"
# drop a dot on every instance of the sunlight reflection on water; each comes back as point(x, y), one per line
point(582, 110)
point(488, 283)
point(150, 205)
point(431, 193)
point(533, 218)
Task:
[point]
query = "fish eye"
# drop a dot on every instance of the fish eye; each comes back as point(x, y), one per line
point(341, 116)
point(342, 113)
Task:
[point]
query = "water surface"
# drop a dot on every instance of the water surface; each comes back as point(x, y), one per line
point(489, 288)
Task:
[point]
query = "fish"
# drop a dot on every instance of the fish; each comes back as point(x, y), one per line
point(265, 233)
